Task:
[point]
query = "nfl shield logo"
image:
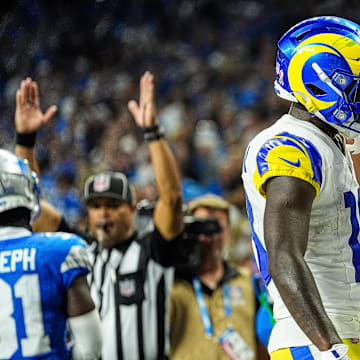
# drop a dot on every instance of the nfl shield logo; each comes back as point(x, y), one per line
point(127, 287)
point(281, 77)
point(102, 183)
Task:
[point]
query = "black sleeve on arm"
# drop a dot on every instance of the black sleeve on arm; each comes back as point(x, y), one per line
point(286, 229)
point(167, 252)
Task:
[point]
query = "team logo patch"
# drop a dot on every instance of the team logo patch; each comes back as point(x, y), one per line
point(354, 340)
point(236, 295)
point(127, 287)
point(102, 183)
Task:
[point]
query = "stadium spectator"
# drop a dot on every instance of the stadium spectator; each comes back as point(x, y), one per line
point(42, 278)
point(212, 304)
point(131, 275)
point(302, 194)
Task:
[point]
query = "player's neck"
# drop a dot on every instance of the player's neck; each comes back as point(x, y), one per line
point(211, 275)
point(298, 111)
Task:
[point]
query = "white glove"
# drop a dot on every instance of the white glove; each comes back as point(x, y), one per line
point(337, 352)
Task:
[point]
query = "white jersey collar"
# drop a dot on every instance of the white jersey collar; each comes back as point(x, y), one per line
point(13, 232)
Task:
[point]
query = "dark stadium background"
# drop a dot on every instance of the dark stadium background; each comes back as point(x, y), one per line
point(214, 67)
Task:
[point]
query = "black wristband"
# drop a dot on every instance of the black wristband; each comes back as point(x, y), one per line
point(27, 140)
point(151, 129)
point(154, 136)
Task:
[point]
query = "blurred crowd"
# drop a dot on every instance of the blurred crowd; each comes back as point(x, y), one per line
point(213, 62)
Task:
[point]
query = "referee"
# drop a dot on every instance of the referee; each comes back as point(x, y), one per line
point(131, 274)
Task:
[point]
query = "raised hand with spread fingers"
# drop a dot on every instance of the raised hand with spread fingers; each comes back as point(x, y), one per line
point(28, 116)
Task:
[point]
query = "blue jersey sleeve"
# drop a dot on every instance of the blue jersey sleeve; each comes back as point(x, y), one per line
point(76, 261)
point(69, 256)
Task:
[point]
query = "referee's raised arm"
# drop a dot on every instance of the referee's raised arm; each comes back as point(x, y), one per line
point(168, 217)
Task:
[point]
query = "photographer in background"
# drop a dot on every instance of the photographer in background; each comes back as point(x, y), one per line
point(212, 304)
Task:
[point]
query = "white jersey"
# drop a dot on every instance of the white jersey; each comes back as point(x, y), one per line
point(292, 147)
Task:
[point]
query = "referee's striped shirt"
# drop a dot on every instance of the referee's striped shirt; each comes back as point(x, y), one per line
point(130, 285)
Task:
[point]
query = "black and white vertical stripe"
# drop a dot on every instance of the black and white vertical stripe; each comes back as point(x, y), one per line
point(139, 330)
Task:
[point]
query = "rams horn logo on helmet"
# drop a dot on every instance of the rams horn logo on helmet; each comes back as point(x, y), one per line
point(318, 65)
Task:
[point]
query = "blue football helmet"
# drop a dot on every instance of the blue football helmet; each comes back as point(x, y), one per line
point(318, 65)
point(19, 186)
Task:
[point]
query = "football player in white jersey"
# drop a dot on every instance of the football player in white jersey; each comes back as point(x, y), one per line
point(303, 198)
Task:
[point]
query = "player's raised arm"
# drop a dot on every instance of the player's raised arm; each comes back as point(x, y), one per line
point(168, 216)
point(29, 119)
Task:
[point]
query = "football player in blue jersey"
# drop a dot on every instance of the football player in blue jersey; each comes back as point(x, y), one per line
point(303, 195)
point(43, 282)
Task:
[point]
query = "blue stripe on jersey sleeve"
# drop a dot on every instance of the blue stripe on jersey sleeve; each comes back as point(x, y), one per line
point(245, 157)
point(261, 252)
point(301, 353)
